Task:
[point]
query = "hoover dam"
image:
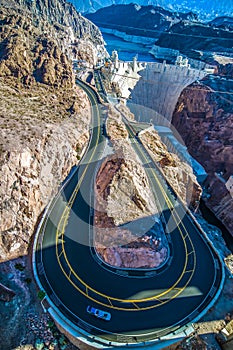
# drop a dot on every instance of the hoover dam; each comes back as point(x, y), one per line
point(154, 85)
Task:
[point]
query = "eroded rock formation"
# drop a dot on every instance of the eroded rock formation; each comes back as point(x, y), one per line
point(178, 173)
point(204, 118)
point(128, 230)
point(38, 149)
point(44, 117)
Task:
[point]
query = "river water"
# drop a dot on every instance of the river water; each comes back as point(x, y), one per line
point(127, 50)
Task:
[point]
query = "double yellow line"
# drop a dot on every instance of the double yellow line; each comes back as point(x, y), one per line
point(87, 289)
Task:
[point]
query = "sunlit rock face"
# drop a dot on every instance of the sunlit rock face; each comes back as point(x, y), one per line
point(38, 152)
point(128, 231)
point(178, 173)
point(44, 116)
point(128, 226)
point(204, 118)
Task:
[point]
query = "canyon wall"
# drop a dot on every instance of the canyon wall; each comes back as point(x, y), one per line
point(204, 118)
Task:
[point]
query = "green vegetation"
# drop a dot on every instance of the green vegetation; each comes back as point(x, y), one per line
point(19, 267)
point(41, 294)
point(28, 280)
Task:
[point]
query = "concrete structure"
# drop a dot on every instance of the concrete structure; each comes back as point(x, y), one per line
point(229, 185)
point(164, 53)
point(182, 61)
point(115, 59)
point(125, 74)
point(161, 85)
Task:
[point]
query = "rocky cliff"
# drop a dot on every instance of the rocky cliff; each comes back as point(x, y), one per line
point(126, 214)
point(39, 144)
point(128, 224)
point(204, 118)
point(44, 117)
point(38, 38)
point(44, 121)
point(177, 172)
point(198, 40)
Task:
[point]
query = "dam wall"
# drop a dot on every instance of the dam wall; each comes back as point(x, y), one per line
point(159, 88)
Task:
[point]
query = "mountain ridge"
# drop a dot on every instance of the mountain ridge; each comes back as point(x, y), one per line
point(206, 10)
point(144, 21)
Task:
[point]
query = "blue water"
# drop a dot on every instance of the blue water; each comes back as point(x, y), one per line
point(127, 50)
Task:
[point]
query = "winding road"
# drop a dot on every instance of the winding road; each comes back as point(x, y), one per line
point(144, 308)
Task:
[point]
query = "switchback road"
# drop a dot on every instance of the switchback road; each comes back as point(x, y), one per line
point(142, 308)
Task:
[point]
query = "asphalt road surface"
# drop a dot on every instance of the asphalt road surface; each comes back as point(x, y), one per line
point(142, 307)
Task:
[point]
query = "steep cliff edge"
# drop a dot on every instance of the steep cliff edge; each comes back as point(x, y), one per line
point(44, 121)
point(44, 34)
point(128, 227)
point(40, 140)
point(204, 118)
point(44, 117)
point(178, 173)
point(128, 223)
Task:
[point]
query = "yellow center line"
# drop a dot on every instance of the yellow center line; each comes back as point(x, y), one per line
point(109, 298)
point(170, 205)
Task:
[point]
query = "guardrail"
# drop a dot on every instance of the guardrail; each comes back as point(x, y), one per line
point(96, 335)
point(216, 290)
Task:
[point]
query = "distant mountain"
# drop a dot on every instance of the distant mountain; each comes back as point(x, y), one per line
point(192, 37)
point(206, 10)
point(224, 22)
point(138, 20)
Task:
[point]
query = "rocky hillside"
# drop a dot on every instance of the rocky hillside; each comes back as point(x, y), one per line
point(204, 118)
point(125, 204)
point(44, 121)
point(224, 22)
point(126, 213)
point(191, 38)
point(178, 173)
point(138, 20)
point(37, 27)
point(40, 139)
point(44, 117)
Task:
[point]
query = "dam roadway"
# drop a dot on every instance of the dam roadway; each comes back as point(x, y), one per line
point(143, 307)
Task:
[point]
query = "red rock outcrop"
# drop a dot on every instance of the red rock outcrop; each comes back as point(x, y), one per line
point(128, 231)
point(204, 118)
point(126, 235)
